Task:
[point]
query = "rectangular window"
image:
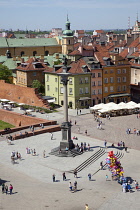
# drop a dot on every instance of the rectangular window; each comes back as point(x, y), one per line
point(86, 89)
point(93, 75)
point(93, 83)
point(34, 73)
point(47, 78)
point(118, 71)
point(111, 71)
point(61, 90)
point(106, 89)
point(111, 89)
point(106, 71)
point(81, 81)
point(124, 79)
point(70, 91)
point(111, 80)
point(105, 80)
point(118, 79)
point(86, 79)
point(99, 75)
point(48, 87)
point(118, 88)
point(124, 88)
point(99, 83)
point(81, 91)
point(70, 81)
point(124, 71)
point(94, 92)
point(55, 79)
point(56, 89)
point(99, 91)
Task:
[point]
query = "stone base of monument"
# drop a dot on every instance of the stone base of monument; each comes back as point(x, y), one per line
point(66, 144)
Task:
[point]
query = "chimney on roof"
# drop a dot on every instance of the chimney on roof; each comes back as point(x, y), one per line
point(57, 56)
point(42, 58)
point(14, 58)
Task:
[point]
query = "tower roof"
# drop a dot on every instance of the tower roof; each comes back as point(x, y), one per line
point(68, 31)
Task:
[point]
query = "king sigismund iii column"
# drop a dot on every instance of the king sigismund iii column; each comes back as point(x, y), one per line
point(66, 125)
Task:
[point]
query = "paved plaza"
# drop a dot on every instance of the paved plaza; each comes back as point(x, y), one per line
point(32, 176)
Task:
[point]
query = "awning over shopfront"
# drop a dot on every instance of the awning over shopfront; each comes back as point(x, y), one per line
point(84, 98)
point(119, 95)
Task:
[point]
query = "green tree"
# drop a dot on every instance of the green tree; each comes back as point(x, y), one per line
point(57, 62)
point(5, 73)
point(39, 86)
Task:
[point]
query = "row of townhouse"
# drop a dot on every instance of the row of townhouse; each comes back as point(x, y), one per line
point(92, 80)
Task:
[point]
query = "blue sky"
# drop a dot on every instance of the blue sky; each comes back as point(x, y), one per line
point(83, 14)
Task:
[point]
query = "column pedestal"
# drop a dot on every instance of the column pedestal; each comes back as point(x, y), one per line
point(66, 136)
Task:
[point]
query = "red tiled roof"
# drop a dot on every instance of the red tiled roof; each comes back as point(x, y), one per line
point(76, 45)
point(99, 31)
point(76, 67)
point(124, 53)
point(31, 65)
point(102, 51)
point(75, 52)
point(88, 47)
point(80, 31)
point(135, 43)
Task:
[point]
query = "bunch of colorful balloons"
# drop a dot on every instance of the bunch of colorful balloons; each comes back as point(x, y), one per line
point(114, 165)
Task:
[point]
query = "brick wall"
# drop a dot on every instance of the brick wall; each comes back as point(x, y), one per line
point(20, 94)
point(22, 120)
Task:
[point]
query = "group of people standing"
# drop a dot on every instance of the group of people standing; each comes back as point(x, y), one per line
point(6, 189)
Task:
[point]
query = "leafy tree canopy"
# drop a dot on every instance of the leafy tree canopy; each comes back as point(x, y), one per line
point(5, 73)
point(39, 86)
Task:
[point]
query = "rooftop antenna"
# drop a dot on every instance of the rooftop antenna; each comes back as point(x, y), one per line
point(67, 17)
point(137, 16)
point(128, 22)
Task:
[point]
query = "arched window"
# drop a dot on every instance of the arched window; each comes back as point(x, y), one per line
point(46, 52)
point(22, 53)
point(34, 53)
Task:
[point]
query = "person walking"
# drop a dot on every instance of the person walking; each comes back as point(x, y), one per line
point(11, 188)
point(6, 189)
point(53, 177)
point(64, 176)
point(86, 132)
point(3, 187)
point(75, 186)
point(75, 173)
point(86, 207)
point(106, 177)
point(101, 165)
point(51, 136)
point(105, 143)
point(70, 186)
point(89, 176)
point(75, 122)
point(44, 154)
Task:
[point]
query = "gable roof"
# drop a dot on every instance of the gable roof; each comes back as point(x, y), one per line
point(36, 42)
point(76, 67)
point(33, 64)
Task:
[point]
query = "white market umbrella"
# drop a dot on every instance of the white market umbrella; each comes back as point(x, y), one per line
point(29, 110)
point(6, 105)
point(4, 100)
point(137, 105)
point(103, 110)
point(20, 104)
point(11, 102)
point(131, 103)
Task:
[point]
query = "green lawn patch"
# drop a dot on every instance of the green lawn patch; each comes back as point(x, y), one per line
point(4, 125)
